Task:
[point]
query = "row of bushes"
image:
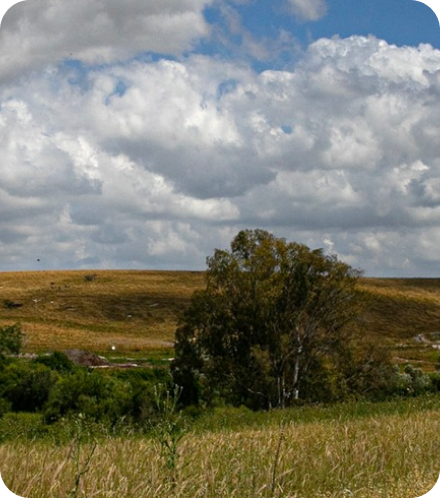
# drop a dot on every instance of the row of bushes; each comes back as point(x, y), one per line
point(372, 381)
point(54, 387)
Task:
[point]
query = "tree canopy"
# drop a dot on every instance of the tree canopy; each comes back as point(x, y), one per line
point(11, 339)
point(270, 327)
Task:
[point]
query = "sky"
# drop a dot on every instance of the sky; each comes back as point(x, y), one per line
point(145, 134)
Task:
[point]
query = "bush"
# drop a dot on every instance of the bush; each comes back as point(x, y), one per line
point(56, 361)
point(5, 406)
point(21, 426)
point(96, 396)
point(412, 382)
point(420, 382)
point(435, 381)
point(27, 386)
point(11, 339)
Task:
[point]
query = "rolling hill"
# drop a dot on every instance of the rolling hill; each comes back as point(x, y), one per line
point(135, 312)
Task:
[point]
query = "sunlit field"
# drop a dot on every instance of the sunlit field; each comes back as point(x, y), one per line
point(137, 311)
point(378, 455)
point(133, 311)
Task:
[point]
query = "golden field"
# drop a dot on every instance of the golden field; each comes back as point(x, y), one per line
point(381, 456)
point(137, 311)
point(134, 311)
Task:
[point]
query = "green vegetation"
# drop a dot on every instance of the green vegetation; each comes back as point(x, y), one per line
point(56, 391)
point(11, 340)
point(364, 405)
point(278, 323)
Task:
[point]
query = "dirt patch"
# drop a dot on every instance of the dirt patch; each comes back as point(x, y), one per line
point(85, 358)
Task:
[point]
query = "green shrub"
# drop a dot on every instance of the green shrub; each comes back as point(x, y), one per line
point(98, 397)
point(27, 386)
point(5, 406)
point(435, 381)
point(56, 361)
point(11, 339)
point(411, 382)
point(420, 382)
point(22, 426)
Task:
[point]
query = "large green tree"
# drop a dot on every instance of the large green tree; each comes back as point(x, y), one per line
point(267, 327)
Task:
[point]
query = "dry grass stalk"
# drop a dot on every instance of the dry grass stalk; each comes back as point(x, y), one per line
point(392, 456)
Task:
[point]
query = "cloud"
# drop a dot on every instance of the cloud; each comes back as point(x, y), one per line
point(308, 10)
point(35, 33)
point(153, 163)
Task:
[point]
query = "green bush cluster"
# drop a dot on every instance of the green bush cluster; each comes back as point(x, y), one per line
point(412, 381)
point(11, 340)
point(51, 389)
point(44, 395)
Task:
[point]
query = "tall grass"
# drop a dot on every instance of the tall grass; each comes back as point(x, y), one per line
point(388, 455)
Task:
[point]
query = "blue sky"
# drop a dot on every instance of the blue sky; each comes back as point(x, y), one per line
point(145, 134)
point(399, 22)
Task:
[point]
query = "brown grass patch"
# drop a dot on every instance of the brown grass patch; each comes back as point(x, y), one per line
point(131, 309)
point(139, 310)
point(385, 456)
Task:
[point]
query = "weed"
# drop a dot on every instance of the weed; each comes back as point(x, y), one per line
point(277, 457)
point(81, 468)
point(170, 429)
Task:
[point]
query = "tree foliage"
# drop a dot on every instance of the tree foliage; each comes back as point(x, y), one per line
point(270, 324)
point(11, 339)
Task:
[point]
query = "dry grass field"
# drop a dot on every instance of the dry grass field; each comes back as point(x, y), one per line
point(137, 311)
point(389, 456)
point(404, 314)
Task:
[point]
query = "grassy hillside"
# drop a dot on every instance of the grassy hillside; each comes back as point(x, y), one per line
point(133, 311)
point(355, 449)
point(405, 315)
point(137, 311)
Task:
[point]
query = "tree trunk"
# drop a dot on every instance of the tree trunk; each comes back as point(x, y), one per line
point(296, 375)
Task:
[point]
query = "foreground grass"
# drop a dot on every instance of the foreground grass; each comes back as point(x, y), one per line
point(382, 455)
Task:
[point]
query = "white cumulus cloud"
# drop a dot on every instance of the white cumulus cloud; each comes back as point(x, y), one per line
point(154, 163)
point(34, 33)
